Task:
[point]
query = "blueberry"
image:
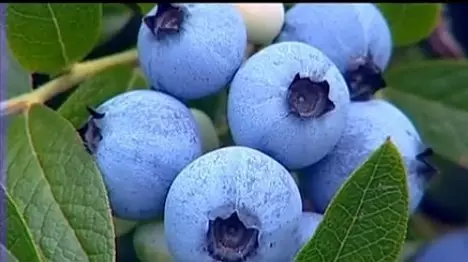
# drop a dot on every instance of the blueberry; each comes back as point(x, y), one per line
point(355, 36)
point(191, 50)
point(309, 223)
point(289, 101)
point(141, 139)
point(233, 204)
point(149, 242)
point(209, 137)
point(369, 124)
point(122, 226)
point(451, 247)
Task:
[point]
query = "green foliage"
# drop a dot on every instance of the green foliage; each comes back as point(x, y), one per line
point(48, 38)
point(367, 219)
point(403, 55)
point(57, 203)
point(145, 7)
point(98, 89)
point(410, 23)
point(434, 95)
point(114, 18)
point(57, 189)
point(19, 237)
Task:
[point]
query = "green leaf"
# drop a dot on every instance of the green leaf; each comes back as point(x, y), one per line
point(58, 189)
point(367, 219)
point(48, 38)
point(434, 95)
point(20, 244)
point(114, 17)
point(410, 23)
point(145, 7)
point(404, 55)
point(98, 89)
point(18, 80)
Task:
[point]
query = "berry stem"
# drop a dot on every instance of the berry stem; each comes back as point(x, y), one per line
point(75, 75)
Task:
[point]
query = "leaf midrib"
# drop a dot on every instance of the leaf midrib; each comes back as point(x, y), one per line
point(358, 210)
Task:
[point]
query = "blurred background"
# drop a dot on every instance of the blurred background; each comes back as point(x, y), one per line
point(445, 205)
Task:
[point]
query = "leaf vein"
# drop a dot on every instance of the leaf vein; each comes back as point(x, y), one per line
point(358, 210)
point(59, 34)
point(28, 16)
point(41, 168)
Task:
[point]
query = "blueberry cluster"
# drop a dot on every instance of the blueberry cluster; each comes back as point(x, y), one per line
point(303, 103)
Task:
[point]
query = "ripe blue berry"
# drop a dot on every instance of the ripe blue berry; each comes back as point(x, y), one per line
point(289, 101)
point(141, 140)
point(355, 36)
point(191, 50)
point(368, 126)
point(233, 204)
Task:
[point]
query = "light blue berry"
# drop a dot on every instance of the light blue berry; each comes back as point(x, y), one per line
point(451, 247)
point(289, 101)
point(141, 139)
point(368, 125)
point(233, 204)
point(377, 33)
point(309, 223)
point(355, 36)
point(196, 53)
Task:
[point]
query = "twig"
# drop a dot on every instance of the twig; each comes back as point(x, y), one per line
point(77, 74)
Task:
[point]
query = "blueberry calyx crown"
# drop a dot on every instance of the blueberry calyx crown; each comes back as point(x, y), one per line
point(167, 19)
point(307, 98)
point(90, 133)
point(364, 79)
point(427, 168)
point(229, 240)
